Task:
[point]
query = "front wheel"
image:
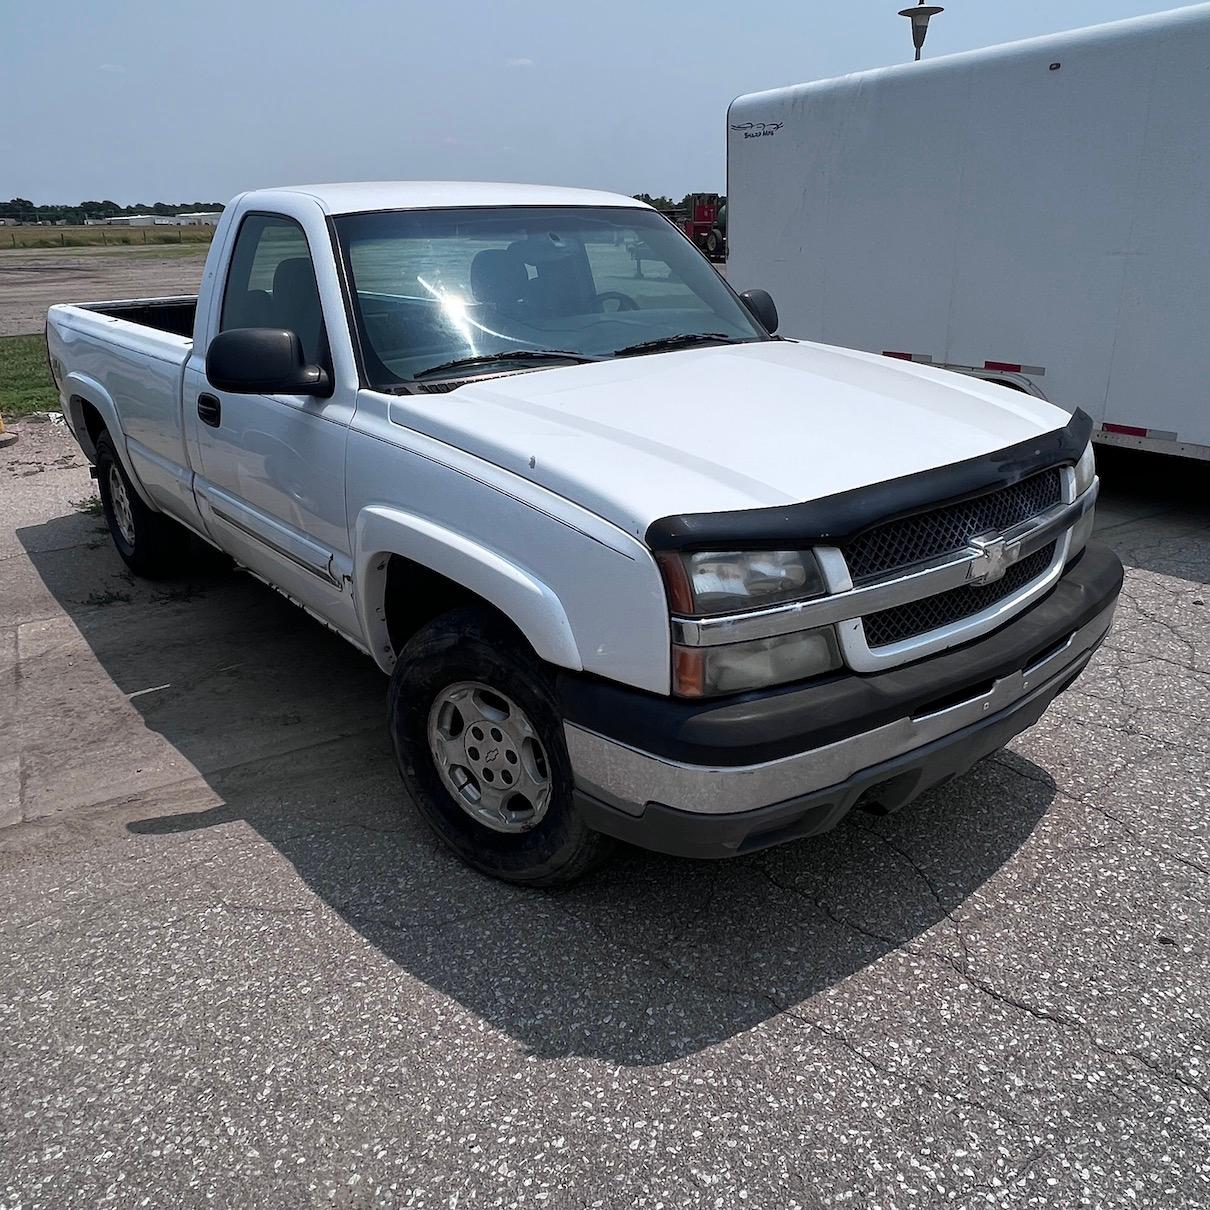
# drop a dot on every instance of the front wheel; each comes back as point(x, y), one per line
point(481, 751)
point(150, 544)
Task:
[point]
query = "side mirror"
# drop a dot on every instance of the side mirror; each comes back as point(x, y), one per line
point(762, 307)
point(263, 361)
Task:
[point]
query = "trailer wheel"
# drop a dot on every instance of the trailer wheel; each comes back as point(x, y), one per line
point(714, 242)
point(480, 748)
point(150, 544)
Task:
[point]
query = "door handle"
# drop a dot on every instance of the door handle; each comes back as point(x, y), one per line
point(209, 410)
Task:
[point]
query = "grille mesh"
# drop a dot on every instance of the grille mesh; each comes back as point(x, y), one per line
point(919, 617)
point(899, 544)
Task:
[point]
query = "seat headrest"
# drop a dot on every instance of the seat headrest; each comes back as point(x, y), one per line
point(294, 277)
point(498, 278)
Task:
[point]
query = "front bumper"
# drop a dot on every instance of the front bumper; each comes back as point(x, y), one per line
point(710, 780)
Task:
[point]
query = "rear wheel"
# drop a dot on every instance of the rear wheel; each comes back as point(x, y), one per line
point(480, 748)
point(150, 544)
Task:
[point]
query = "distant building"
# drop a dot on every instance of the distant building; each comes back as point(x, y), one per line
point(200, 218)
point(131, 220)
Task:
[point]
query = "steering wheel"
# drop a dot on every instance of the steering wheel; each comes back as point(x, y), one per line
point(624, 301)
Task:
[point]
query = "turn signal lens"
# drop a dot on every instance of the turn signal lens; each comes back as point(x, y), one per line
point(1081, 533)
point(710, 671)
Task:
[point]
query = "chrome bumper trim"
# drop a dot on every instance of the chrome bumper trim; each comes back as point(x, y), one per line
point(925, 581)
point(628, 778)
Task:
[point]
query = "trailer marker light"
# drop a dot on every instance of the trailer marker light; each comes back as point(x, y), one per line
point(1012, 367)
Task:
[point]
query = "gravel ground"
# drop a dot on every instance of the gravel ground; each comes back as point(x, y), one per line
point(235, 970)
point(32, 279)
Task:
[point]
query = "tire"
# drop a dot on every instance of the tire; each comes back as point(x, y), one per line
point(713, 242)
point(150, 544)
point(539, 838)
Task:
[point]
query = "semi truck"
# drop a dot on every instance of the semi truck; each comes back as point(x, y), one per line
point(703, 218)
point(1036, 215)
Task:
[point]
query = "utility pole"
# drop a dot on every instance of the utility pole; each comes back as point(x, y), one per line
point(920, 16)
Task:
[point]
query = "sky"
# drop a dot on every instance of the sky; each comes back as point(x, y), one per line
point(195, 100)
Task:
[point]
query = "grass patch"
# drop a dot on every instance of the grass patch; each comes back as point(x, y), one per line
point(102, 237)
point(25, 382)
point(91, 506)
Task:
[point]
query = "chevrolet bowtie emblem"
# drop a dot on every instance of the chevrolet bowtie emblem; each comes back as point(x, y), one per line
point(995, 558)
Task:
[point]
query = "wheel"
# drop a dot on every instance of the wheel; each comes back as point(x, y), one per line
point(624, 301)
point(480, 748)
point(150, 544)
point(713, 243)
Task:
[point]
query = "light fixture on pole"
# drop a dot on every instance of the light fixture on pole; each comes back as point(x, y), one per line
point(920, 16)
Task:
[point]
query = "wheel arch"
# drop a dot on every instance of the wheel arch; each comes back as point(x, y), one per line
point(408, 569)
point(90, 411)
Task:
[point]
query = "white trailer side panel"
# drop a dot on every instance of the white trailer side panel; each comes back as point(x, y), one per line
point(988, 208)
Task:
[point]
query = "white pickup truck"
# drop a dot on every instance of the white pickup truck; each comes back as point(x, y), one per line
point(637, 567)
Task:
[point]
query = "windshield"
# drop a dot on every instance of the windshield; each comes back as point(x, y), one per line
point(442, 293)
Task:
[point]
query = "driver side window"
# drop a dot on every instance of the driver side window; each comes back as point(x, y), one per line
point(271, 283)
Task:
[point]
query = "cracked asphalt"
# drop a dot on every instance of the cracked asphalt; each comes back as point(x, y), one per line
point(235, 970)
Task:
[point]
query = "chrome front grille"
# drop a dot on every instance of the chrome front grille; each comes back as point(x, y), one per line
point(900, 544)
point(952, 573)
point(931, 613)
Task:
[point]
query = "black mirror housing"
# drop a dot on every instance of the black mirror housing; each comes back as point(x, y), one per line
point(263, 361)
point(762, 307)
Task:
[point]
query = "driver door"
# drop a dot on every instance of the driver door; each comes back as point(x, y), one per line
point(271, 479)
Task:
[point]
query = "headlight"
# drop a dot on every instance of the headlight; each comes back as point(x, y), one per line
point(1086, 470)
point(707, 671)
point(713, 582)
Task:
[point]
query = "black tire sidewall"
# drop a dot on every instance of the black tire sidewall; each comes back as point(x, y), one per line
point(106, 458)
point(461, 647)
point(159, 543)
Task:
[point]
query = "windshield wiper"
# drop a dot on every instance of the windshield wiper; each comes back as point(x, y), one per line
point(485, 359)
point(677, 342)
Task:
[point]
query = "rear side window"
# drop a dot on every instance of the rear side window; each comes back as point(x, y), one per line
point(271, 283)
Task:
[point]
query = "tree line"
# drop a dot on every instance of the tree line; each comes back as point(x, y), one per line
point(23, 210)
point(666, 204)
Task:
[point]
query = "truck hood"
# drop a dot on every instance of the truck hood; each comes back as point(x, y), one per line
point(725, 427)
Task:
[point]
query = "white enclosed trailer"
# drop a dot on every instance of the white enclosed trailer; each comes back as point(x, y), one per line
point(1036, 214)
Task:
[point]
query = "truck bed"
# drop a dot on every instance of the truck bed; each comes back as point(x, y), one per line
point(173, 315)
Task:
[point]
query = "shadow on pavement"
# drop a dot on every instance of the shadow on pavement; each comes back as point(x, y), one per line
point(1155, 511)
point(651, 959)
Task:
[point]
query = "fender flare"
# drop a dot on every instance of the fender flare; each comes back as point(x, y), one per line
point(80, 388)
point(381, 531)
